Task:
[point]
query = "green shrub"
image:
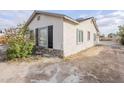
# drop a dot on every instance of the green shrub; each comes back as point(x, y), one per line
point(122, 41)
point(19, 45)
point(121, 34)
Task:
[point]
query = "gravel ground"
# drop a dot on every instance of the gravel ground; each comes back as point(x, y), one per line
point(104, 64)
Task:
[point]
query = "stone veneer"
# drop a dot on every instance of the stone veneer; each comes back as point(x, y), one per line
point(49, 52)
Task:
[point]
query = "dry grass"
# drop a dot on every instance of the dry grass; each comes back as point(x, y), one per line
point(2, 40)
point(85, 53)
point(35, 59)
point(29, 59)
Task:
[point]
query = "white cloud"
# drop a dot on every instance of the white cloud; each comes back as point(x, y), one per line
point(12, 18)
point(109, 22)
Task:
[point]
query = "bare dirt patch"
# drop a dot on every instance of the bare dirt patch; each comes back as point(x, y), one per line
point(97, 64)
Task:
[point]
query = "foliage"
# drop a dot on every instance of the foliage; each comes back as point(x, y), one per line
point(19, 45)
point(121, 34)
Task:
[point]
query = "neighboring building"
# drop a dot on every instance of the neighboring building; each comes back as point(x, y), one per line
point(112, 36)
point(2, 37)
point(61, 34)
point(102, 37)
point(1, 33)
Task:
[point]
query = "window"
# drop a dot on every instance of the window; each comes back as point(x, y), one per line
point(79, 36)
point(38, 18)
point(94, 37)
point(31, 34)
point(44, 36)
point(88, 36)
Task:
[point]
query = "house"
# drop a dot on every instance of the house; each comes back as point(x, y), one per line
point(1, 33)
point(61, 35)
point(112, 36)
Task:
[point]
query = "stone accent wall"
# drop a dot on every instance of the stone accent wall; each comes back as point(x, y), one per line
point(48, 52)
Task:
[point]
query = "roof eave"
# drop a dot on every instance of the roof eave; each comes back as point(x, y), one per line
point(71, 19)
point(94, 22)
point(30, 18)
point(84, 19)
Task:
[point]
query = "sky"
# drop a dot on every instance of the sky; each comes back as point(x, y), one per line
point(107, 20)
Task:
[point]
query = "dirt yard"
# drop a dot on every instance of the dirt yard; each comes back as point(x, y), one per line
point(104, 63)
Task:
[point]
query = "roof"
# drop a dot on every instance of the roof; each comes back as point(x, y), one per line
point(76, 21)
point(51, 14)
point(82, 19)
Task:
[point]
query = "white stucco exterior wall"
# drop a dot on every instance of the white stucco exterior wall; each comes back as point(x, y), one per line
point(70, 45)
point(46, 20)
point(64, 33)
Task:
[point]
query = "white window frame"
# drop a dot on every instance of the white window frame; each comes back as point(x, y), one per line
point(45, 40)
point(79, 36)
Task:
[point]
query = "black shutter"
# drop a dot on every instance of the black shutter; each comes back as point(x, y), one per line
point(36, 35)
point(50, 36)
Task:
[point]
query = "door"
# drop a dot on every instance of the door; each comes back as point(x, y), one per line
point(43, 37)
